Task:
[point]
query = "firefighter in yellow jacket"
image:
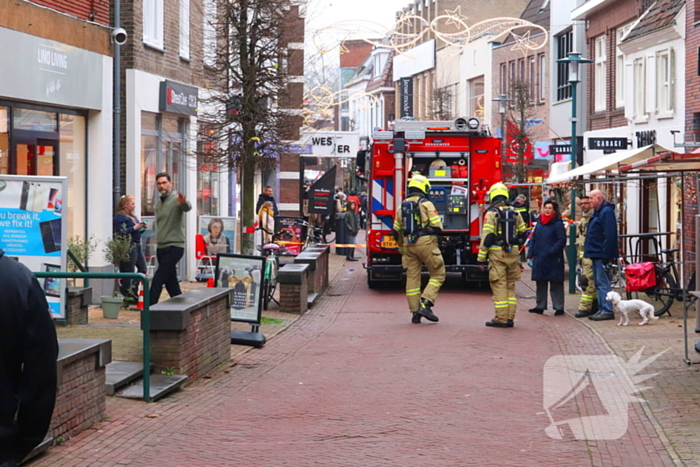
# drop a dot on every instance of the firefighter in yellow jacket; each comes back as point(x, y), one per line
point(501, 236)
point(589, 296)
point(416, 227)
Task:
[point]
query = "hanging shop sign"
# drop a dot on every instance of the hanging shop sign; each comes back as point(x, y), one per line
point(406, 88)
point(607, 144)
point(178, 98)
point(33, 229)
point(332, 143)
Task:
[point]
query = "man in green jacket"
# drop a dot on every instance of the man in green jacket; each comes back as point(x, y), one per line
point(170, 237)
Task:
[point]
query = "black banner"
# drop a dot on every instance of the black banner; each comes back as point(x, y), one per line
point(321, 193)
point(406, 88)
point(607, 143)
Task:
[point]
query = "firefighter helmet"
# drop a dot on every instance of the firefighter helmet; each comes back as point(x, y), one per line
point(498, 189)
point(419, 181)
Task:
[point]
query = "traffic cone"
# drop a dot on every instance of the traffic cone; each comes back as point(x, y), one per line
point(139, 305)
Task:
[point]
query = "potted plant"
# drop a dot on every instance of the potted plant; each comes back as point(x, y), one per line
point(117, 250)
point(82, 249)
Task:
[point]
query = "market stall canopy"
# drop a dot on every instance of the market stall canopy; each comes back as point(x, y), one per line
point(609, 162)
point(665, 162)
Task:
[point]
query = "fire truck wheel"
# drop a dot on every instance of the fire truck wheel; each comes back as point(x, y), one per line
point(370, 283)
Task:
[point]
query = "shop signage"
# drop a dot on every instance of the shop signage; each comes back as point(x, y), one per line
point(406, 87)
point(645, 138)
point(559, 149)
point(332, 143)
point(606, 144)
point(178, 98)
point(50, 72)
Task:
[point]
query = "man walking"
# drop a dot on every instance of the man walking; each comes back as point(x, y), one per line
point(601, 247)
point(266, 195)
point(585, 307)
point(416, 228)
point(170, 237)
point(28, 354)
point(501, 236)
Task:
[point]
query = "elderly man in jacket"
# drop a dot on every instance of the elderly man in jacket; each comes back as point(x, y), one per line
point(601, 247)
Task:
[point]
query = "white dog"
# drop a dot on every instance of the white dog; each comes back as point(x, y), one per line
point(625, 306)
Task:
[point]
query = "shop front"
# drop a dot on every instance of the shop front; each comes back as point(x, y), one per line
point(55, 119)
point(161, 118)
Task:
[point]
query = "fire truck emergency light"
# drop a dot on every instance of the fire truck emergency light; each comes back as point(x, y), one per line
point(473, 123)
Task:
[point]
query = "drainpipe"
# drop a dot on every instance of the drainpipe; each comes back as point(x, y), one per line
point(116, 105)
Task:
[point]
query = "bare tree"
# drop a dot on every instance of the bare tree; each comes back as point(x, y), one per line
point(442, 103)
point(520, 112)
point(243, 118)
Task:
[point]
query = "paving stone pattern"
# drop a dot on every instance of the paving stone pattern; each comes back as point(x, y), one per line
point(353, 382)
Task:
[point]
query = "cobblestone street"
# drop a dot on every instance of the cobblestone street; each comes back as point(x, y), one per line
point(353, 382)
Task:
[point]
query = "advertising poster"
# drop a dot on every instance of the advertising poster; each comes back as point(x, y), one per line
point(219, 234)
point(244, 275)
point(33, 229)
point(291, 232)
point(321, 194)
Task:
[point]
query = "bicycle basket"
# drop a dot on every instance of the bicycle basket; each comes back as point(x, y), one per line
point(640, 276)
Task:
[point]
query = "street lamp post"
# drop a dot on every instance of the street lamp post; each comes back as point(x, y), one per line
point(573, 59)
point(502, 99)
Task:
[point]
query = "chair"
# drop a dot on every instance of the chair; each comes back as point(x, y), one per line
point(205, 264)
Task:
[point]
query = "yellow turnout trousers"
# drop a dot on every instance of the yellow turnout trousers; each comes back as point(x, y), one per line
point(504, 272)
point(415, 255)
point(589, 295)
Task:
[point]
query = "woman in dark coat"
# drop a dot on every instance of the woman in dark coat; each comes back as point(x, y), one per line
point(352, 226)
point(546, 255)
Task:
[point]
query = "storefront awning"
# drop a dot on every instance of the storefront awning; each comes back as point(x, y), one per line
point(611, 162)
point(665, 162)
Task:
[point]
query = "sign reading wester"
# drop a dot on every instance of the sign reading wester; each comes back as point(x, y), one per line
point(332, 143)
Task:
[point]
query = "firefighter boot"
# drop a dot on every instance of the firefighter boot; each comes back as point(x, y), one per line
point(426, 310)
point(415, 318)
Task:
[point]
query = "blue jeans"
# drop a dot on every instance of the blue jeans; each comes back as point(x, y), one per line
point(602, 286)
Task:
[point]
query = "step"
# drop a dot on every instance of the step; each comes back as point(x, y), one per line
point(161, 386)
point(311, 298)
point(120, 374)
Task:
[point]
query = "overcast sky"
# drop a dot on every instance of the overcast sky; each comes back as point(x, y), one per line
point(323, 13)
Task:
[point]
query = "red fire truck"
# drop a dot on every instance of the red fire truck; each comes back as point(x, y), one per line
point(461, 159)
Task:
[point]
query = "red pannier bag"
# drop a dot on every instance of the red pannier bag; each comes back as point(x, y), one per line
point(640, 276)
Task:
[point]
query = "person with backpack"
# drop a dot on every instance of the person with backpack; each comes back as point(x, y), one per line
point(589, 298)
point(546, 255)
point(501, 236)
point(416, 227)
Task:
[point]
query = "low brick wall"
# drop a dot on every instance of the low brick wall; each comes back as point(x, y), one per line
point(191, 333)
point(77, 307)
point(322, 266)
point(294, 288)
point(81, 397)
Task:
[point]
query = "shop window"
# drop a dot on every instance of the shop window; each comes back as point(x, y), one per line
point(163, 146)
point(34, 120)
point(72, 164)
point(476, 97)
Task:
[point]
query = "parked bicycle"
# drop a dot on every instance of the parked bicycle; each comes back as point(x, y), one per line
point(271, 252)
point(667, 288)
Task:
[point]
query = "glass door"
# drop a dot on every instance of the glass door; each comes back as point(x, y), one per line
point(35, 156)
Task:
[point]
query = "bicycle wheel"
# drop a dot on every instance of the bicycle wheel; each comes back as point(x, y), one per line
point(616, 274)
point(270, 280)
point(660, 296)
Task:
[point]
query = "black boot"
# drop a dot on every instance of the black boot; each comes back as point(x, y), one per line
point(415, 319)
point(426, 310)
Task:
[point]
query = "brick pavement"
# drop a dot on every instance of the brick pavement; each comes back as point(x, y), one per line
point(354, 383)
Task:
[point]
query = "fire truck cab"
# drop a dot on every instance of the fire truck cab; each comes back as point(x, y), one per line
point(461, 159)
